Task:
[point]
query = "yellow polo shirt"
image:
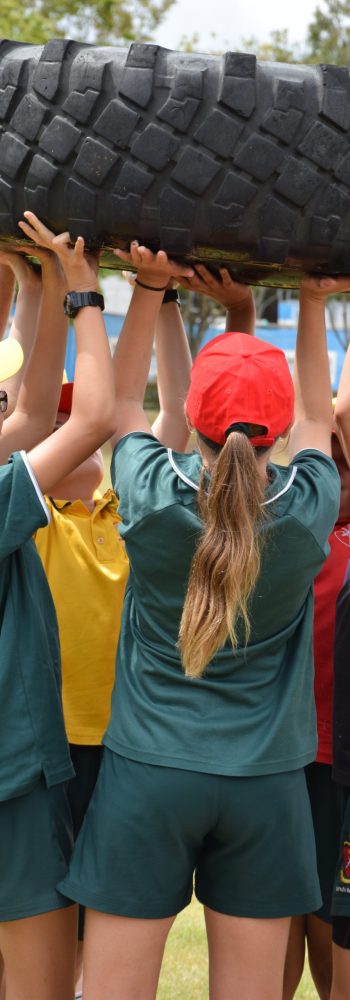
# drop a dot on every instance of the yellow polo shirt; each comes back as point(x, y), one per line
point(87, 568)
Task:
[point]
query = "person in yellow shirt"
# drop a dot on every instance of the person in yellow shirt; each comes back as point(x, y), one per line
point(87, 568)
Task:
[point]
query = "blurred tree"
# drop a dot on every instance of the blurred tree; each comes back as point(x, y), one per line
point(199, 313)
point(112, 22)
point(328, 34)
point(339, 319)
point(327, 38)
point(279, 48)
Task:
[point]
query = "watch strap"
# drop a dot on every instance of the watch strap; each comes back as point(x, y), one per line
point(78, 300)
point(171, 295)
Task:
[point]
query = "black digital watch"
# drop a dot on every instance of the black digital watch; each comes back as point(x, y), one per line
point(74, 301)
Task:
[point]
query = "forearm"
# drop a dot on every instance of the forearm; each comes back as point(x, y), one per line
point(41, 385)
point(134, 348)
point(313, 400)
point(235, 297)
point(173, 371)
point(132, 357)
point(7, 287)
point(342, 407)
point(93, 408)
point(23, 328)
point(241, 316)
point(93, 394)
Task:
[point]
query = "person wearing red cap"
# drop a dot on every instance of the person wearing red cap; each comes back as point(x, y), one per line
point(213, 714)
point(326, 795)
point(37, 924)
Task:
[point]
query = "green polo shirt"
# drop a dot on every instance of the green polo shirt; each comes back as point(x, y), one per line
point(253, 710)
point(31, 722)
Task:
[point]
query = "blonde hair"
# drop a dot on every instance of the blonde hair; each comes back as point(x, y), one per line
point(226, 563)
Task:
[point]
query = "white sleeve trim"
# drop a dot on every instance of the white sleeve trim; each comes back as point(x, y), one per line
point(182, 475)
point(285, 488)
point(24, 457)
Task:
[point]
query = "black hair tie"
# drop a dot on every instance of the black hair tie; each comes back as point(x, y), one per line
point(240, 428)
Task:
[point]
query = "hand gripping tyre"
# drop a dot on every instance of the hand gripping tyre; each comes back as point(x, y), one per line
point(219, 159)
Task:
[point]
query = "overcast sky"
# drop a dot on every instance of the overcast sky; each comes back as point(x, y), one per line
point(232, 20)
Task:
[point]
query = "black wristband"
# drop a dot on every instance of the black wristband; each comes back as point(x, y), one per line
point(171, 295)
point(150, 288)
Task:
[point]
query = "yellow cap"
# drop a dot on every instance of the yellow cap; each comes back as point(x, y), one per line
point(11, 358)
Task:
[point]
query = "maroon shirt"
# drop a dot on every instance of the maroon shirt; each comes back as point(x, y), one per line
point(327, 586)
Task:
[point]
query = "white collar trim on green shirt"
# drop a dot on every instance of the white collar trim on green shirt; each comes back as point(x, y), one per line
point(189, 482)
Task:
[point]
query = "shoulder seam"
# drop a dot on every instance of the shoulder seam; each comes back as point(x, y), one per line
point(39, 494)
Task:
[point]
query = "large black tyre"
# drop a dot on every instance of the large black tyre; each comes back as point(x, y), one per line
point(222, 158)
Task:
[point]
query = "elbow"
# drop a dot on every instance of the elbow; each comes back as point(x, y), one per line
point(342, 411)
point(41, 427)
point(110, 425)
point(101, 424)
point(109, 416)
point(342, 427)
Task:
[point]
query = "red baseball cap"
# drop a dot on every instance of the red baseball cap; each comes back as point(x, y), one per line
point(65, 403)
point(237, 378)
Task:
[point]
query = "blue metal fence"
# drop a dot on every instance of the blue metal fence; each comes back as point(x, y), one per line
point(281, 336)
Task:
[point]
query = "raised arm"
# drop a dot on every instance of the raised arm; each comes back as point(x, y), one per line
point(132, 356)
point(313, 396)
point(173, 376)
point(173, 355)
point(24, 323)
point(36, 407)
point(93, 409)
point(342, 407)
point(7, 288)
point(235, 297)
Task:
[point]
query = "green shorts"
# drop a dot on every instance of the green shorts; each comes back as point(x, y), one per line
point(35, 847)
point(86, 761)
point(327, 807)
point(149, 829)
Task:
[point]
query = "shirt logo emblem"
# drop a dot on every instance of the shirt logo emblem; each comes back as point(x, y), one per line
point(345, 870)
point(343, 535)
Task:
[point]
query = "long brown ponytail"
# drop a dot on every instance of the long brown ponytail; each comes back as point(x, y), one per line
point(226, 564)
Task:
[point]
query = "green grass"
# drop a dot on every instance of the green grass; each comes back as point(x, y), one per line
point(184, 974)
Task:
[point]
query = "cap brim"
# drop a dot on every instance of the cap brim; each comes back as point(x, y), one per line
point(11, 358)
